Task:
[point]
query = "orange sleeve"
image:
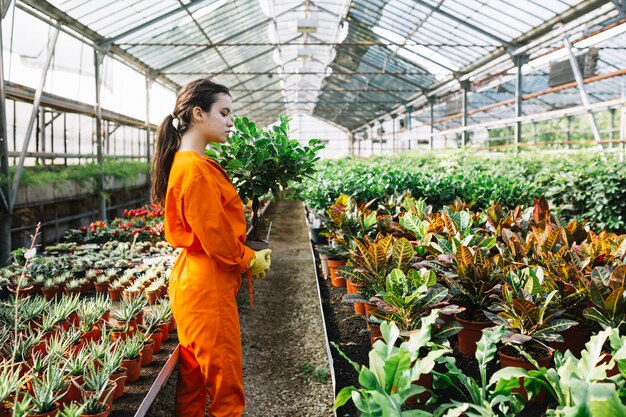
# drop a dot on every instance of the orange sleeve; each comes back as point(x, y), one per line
point(203, 210)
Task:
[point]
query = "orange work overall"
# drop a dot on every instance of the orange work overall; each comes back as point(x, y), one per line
point(204, 216)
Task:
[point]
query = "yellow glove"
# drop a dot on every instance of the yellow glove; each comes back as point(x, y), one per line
point(260, 264)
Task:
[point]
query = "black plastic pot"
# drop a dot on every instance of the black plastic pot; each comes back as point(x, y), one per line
point(317, 237)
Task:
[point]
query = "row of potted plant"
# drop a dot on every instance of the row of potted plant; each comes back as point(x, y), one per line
point(397, 369)
point(579, 185)
point(68, 351)
point(519, 268)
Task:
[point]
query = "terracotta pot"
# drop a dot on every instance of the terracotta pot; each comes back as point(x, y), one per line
point(131, 325)
point(506, 360)
point(120, 335)
point(101, 288)
point(153, 296)
point(130, 293)
point(336, 279)
point(49, 293)
point(48, 414)
point(146, 353)
point(105, 413)
point(369, 309)
point(71, 291)
point(94, 335)
point(351, 288)
point(574, 340)
point(134, 368)
point(172, 325)
point(74, 393)
point(605, 360)
point(426, 381)
point(119, 379)
point(470, 335)
point(74, 319)
point(87, 394)
point(375, 333)
point(139, 319)
point(115, 294)
point(156, 338)
point(64, 325)
point(74, 349)
point(165, 328)
point(6, 409)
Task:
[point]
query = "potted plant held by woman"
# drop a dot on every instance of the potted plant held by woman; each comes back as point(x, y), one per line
point(262, 162)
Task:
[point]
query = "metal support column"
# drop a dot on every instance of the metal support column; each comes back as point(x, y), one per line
point(581, 88)
point(5, 210)
point(31, 123)
point(568, 133)
point(393, 133)
point(612, 127)
point(372, 139)
point(149, 82)
point(535, 133)
point(98, 60)
point(409, 123)
point(380, 122)
point(431, 100)
point(519, 62)
point(464, 134)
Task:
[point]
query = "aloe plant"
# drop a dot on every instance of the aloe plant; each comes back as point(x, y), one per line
point(387, 383)
point(48, 388)
point(10, 379)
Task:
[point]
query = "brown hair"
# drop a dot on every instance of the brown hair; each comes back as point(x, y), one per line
point(200, 93)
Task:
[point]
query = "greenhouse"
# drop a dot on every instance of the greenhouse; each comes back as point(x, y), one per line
point(312, 208)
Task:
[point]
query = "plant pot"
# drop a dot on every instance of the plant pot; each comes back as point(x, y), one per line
point(87, 394)
point(426, 381)
point(104, 413)
point(121, 334)
point(119, 379)
point(48, 414)
point(574, 340)
point(130, 325)
point(74, 349)
point(153, 296)
point(257, 244)
point(165, 328)
point(101, 288)
point(369, 309)
point(74, 393)
point(131, 293)
point(605, 360)
point(470, 335)
point(507, 360)
point(324, 265)
point(139, 319)
point(375, 333)
point(351, 288)
point(74, 319)
point(92, 335)
point(317, 237)
point(172, 325)
point(134, 368)
point(156, 338)
point(115, 294)
point(336, 279)
point(49, 293)
point(146, 353)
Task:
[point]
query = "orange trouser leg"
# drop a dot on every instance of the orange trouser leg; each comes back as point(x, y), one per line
point(205, 310)
point(191, 394)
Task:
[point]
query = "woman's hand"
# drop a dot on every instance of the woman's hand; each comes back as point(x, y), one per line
point(260, 264)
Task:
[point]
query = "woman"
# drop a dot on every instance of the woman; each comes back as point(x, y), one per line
point(204, 217)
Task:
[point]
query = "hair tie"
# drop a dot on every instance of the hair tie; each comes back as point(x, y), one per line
point(174, 121)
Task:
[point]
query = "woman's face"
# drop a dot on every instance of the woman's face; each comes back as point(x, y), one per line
point(215, 125)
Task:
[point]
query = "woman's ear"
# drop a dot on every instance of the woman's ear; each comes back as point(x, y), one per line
point(196, 114)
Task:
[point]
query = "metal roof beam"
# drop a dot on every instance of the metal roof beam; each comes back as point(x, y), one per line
point(465, 23)
point(110, 41)
point(620, 5)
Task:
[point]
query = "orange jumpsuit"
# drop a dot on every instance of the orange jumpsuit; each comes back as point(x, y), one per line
point(204, 216)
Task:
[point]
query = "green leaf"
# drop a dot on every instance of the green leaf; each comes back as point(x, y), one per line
point(343, 396)
point(235, 164)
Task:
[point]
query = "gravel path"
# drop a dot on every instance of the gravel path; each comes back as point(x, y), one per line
point(284, 352)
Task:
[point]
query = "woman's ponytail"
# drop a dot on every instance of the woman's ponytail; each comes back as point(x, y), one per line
point(200, 93)
point(167, 142)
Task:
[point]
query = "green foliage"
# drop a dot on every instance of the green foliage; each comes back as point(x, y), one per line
point(483, 398)
point(585, 184)
point(317, 373)
point(265, 161)
point(387, 382)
